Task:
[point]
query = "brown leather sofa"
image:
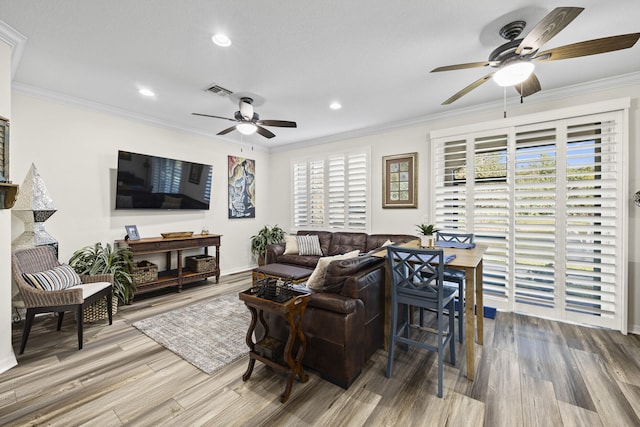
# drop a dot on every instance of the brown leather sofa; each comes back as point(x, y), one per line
point(344, 321)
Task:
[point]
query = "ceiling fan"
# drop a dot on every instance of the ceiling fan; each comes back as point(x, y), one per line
point(514, 60)
point(249, 121)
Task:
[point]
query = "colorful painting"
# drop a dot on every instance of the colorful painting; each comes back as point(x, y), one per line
point(242, 187)
point(399, 181)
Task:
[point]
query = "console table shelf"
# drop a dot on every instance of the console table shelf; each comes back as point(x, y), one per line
point(178, 276)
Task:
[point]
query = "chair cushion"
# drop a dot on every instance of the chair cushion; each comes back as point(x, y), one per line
point(309, 245)
point(316, 280)
point(56, 279)
point(89, 289)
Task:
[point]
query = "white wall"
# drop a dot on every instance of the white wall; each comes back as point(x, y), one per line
point(75, 151)
point(415, 139)
point(7, 358)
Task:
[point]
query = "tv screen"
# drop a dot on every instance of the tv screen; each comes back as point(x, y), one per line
point(151, 182)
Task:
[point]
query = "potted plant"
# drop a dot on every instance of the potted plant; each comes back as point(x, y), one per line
point(99, 259)
point(266, 236)
point(426, 234)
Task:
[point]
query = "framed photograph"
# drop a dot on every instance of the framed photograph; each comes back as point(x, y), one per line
point(132, 232)
point(400, 181)
point(194, 173)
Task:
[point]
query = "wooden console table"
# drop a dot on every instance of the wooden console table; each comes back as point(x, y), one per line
point(179, 276)
point(292, 310)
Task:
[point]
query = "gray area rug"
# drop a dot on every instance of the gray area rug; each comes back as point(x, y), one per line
point(209, 334)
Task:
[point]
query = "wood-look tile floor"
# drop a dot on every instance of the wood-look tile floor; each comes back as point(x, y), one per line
point(530, 372)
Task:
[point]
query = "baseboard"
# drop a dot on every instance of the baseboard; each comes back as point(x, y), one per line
point(8, 362)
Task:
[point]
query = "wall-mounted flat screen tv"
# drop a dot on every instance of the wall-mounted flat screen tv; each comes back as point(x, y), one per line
point(152, 182)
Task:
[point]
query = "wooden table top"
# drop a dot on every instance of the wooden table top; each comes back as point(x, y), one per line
point(465, 258)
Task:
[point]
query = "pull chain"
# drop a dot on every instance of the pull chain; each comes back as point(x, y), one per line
point(505, 101)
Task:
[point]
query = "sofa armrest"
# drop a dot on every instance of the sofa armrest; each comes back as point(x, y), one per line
point(333, 302)
point(273, 252)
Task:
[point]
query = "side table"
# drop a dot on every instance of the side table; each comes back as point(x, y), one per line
point(267, 349)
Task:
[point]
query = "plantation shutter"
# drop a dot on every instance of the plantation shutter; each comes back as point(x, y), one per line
point(535, 215)
point(331, 193)
point(547, 199)
point(489, 212)
point(594, 225)
point(300, 195)
point(316, 194)
point(357, 191)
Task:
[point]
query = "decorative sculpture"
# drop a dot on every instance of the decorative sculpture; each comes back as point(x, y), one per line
point(34, 206)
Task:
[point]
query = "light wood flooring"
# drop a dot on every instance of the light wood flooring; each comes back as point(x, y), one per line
point(530, 372)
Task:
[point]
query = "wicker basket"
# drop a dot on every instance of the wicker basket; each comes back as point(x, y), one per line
point(200, 263)
point(144, 272)
point(98, 310)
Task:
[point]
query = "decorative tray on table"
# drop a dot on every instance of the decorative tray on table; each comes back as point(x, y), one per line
point(177, 234)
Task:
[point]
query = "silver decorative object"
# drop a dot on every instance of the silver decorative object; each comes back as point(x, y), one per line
point(34, 206)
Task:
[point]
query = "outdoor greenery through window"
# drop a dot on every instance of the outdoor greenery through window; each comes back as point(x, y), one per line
point(545, 198)
point(331, 192)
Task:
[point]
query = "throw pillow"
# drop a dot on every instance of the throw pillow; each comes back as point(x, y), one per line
point(316, 280)
point(309, 245)
point(290, 245)
point(56, 279)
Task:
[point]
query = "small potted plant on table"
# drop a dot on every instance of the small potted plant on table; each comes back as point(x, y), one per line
point(426, 234)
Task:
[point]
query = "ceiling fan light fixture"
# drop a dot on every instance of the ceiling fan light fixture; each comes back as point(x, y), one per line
point(221, 40)
point(246, 128)
point(513, 73)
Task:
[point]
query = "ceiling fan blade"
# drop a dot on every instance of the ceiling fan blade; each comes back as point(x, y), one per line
point(215, 117)
point(226, 131)
point(265, 132)
point(546, 29)
point(589, 47)
point(467, 89)
point(529, 86)
point(464, 66)
point(278, 123)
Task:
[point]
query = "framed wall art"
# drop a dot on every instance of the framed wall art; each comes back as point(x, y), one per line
point(242, 187)
point(399, 181)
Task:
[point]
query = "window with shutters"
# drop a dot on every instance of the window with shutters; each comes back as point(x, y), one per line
point(544, 198)
point(331, 192)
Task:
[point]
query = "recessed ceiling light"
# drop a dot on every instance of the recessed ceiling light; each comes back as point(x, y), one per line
point(335, 106)
point(146, 92)
point(221, 40)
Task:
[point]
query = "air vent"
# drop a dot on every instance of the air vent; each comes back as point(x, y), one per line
point(219, 90)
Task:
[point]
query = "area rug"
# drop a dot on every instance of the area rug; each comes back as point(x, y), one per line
point(209, 334)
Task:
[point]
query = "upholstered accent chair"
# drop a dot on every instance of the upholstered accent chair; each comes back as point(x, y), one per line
point(43, 284)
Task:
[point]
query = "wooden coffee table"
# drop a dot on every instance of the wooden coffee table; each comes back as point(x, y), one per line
point(267, 350)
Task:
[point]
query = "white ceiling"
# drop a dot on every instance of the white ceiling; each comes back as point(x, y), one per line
point(294, 56)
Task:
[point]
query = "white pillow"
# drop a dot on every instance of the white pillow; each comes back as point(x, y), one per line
point(316, 280)
point(291, 245)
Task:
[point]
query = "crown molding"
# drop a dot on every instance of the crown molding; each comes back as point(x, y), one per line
point(91, 105)
point(539, 98)
point(16, 41)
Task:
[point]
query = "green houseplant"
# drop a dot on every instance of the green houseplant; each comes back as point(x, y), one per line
point(266, 236)
point(99, 259)
point(426, 234)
